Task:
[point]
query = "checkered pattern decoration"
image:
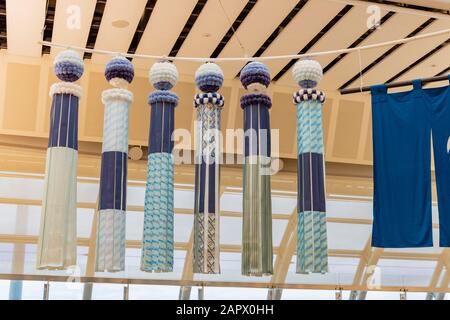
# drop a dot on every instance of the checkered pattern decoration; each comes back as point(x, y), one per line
point(308, 95)
point(209, 78)
point(257, 251)
point(110, 246)
point(312, 254)
point(157, 241)
point(57, 235)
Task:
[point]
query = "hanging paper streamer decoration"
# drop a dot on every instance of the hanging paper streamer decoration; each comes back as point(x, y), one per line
point(312, 233)
point(209, 79)
point(157, 243)
point(110, 251)
point(57, 236)
point(257, 253)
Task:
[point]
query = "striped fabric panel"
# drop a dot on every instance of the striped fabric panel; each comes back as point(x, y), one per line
point(310, 181)
point(199, 242)
point(257, 131)
point(111, 227)
point(312, 242)
point(57, 236)
point(309, 127)
point(64, 121)
point(257, 252)
point(110, 254)
point(207, 175)
point(158, 243)
point(115, 127)
point(312, 254)
point(113, 181)
point(161, 127)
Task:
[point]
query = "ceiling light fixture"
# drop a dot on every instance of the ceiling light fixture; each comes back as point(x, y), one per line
point(120, 24)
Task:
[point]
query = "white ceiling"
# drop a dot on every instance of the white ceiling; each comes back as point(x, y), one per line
point(261, 26)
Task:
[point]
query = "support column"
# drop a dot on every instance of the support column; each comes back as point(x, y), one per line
point(185, 293)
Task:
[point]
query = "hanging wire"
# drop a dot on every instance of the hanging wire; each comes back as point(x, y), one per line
point(265, 58)
point(232, 28)
point(361, 83)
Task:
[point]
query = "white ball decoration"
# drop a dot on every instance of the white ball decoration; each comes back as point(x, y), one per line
point(68, 56)
point(209, 68)
point(68, 66)
point(209, 77)
point(163, 75)
point(307, 73)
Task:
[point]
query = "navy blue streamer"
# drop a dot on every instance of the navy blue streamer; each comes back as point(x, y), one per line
point(311, 182)
point(113, 181)
point(64, 122)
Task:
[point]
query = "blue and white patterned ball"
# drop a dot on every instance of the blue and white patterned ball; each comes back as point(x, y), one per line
point(163, 75)
point(209, 77)
point(307, 73)
point(119, 72)
point(68, 66)
point(255, 72)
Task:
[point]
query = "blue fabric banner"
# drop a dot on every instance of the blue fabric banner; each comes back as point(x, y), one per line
point(64, 121)
point(402, 127)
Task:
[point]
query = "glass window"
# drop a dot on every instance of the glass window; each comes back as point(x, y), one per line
point(107, 291)
point(148, 292)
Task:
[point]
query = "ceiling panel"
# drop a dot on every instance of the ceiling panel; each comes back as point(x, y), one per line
point(113, 38)
point(24, 26)
point(230, 266)
point(430, 66)
point(296, 294)
point(310, 22)
point(343, 236)
point(165, 25)
point(340, 271)
point(405, 55)
point(380, 295)
point(342, 35)
point(264, 18)
point(208, 31)
point(439, 4)
point(349, 209)
point(231, 202)
point(66, 29)
point(397, 27)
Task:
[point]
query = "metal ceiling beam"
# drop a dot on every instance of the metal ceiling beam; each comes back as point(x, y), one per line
point(313, 41)
point(90, 263)
point(84, 242)
point(386, 54)
point(223, 213)
point(188, 273)
point(443, 264)
point(375, 256)
point(288, 244)
point(236, 284)
point(363, 260)
point(188, 268)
